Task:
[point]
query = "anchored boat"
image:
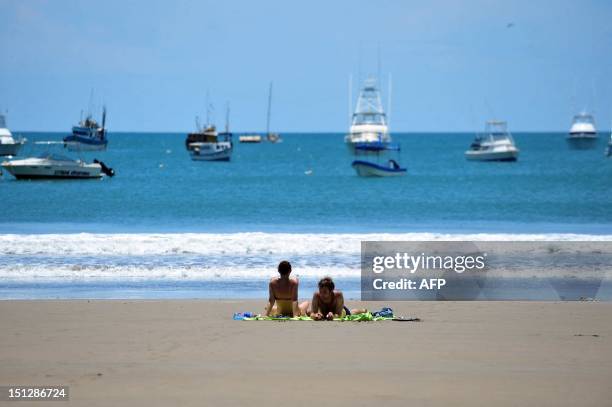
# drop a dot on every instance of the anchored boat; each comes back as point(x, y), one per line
point(368, 122)
point(389, 168)
point(88, 135)
point(271, 137)
point(496, 144)
point(208, 145)
point(8, 144)
point(55, 166)
point(583, 127)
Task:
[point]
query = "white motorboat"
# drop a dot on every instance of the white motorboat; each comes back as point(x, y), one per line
point(54, 166)
point(496, 144)
point(365, 168)
point(583, 127)
point(8, 144)
point(368, 122)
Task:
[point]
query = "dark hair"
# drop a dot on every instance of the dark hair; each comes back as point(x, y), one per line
point(327, 282)
point(284, 268)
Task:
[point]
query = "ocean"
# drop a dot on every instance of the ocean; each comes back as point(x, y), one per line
point(169, 227)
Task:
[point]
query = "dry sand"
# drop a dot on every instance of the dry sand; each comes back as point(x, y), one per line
point(191, 353)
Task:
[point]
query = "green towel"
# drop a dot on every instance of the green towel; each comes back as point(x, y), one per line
point(354, 317)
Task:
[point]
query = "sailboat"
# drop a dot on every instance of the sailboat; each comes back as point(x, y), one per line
point(271, 137)
point(369, 122)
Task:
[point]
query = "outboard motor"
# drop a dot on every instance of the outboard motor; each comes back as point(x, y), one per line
point(107, 170)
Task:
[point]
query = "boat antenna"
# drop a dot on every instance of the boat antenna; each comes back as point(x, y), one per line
point(197, 121)
point(103, 121)
point(90, 107)
point(378, 61)
point(207, 108)
point(350, 99)
point(269, 109)
point(227, 115)
point(389, 101)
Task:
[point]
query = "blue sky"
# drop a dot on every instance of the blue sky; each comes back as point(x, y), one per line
point(453, 63)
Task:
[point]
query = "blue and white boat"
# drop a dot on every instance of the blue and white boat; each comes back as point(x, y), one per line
point(88, 135)
point(390, 168)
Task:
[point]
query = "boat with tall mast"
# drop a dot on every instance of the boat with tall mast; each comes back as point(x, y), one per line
point(369, 123)
point(8, 144)
point(271, 137)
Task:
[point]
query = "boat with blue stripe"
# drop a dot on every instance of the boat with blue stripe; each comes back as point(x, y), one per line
point(88, 135)
point(390, 168)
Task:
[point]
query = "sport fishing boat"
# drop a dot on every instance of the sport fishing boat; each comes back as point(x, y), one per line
point(88, 135)
point(496, 144)
point(583, 127)
point(54, 166)
point(364, 168)
point(8, 144)
point(210, 145)
point(369, 121)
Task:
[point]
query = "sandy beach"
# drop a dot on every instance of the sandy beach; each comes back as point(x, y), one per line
point(188, 352)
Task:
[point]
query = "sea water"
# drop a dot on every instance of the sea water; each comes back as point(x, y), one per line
point(169, 227)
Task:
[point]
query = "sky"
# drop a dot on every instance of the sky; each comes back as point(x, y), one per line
point(453, 64)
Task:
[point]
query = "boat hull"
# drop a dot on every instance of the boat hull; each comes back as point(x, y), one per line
point(211, 152)
point(368, 169)
point(88, 171)
point(509, 155)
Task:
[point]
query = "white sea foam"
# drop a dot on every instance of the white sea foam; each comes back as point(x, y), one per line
point(236, 244)
point(200, 256)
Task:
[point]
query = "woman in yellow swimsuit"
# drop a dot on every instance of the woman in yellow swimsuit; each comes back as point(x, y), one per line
point(283, 297)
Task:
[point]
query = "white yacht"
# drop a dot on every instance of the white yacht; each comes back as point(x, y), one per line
point(8, 144)
point(496, 144)
point(49, 165)
point(583, 127)
point(369, 121)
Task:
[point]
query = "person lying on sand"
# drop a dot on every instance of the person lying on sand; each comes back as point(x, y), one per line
point(283, 298)
point(328, 303)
